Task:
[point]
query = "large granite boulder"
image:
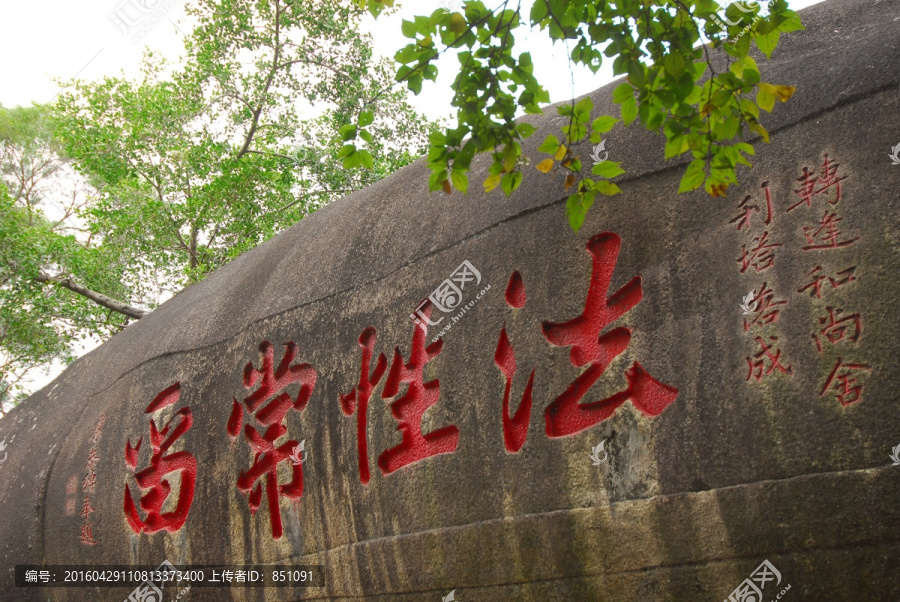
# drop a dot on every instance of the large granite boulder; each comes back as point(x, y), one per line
point(739, 356)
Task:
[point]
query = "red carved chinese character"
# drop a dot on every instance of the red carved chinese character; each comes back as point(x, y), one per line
point(845, 383)
point(743, 219)
point(96, 436)
point(89, 482)
point(92, 460)
point(757, 368)
point(87, 534)
point(826, 237)
point(565, 415)
point(86, 508)
point(765, 312)
point(816, 283)
point(358, 399)
point(515, 291)
point(411, 407)
point(266, 455)
point(830, 178)
point(515, 428)
point(152, 479)
point(760, 255)
point(834, 329)
point(807, 189)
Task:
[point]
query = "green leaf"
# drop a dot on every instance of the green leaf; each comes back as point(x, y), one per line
point(767, 43)
point(510, 181)
point(366, 118)
point(549, 145)
point(460, 181)
point(604, 124)
point(539, 11)
point(693, 177)
point(525, 129)
point(366, 159)
point(623, 92)
point(408, 28)
point(577, 206)
point(629, 111)
point(607, 188)
point(348, 132)
point(677, 146)
point(674, 63)
point(765, 98)
point(583, 109)
point(346, 150)
point(607, 169)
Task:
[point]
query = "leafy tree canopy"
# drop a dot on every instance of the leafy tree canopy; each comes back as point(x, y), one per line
point(664, 48)
point(122, 192)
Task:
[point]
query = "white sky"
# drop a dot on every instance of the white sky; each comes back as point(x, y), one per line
point(63, 39)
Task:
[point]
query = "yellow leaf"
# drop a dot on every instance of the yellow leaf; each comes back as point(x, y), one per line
point(756, 127)
point(718, 189)
point(446, 186)
point(783, 93)
point(491, 182)
point(560, 152)
point(545, 166)
point(570, 180)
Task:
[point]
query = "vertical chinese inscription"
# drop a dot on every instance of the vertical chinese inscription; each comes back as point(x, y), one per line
point(761, 307)
point(826, 239)
point(88, 484)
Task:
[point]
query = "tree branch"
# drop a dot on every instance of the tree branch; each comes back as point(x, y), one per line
point(99, 299)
